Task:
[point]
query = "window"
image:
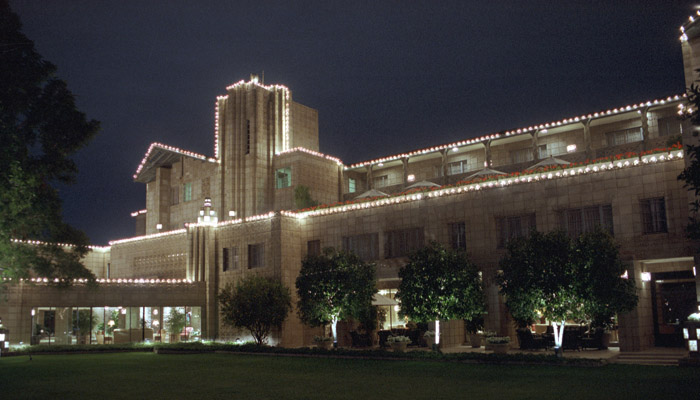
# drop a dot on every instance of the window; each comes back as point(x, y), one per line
point(187, 192)
point(230, 258)
point(247, 137)
point(351, 185)
point(623, 136)
point(381, 181)
point(313, 248)
point(521, 156)
point(174, 195)
point(283, 178)
point(458, 237)
point(365, 246)
point(401, 242)
point(542, 152)
point(654, 216)
point(576, 221)
point(672, 126)
point(514, 227)
point(256, 255)
point(437, 171)
point(461, 166)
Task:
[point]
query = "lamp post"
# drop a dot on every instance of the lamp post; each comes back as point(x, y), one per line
point(4, 342)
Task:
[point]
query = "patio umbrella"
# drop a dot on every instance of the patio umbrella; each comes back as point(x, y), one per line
point(549, 161)
point(371, 193)
point(422, 184)
point(484, 172)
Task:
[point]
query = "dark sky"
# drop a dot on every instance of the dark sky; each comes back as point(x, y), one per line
point(385, 76)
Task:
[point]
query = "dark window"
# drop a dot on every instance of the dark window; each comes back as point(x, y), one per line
point(654, 215)
point(381, 181)
point(576, 221)
point(365, 246)
point(256, 255)
point(458, 237)
point(521, 156)
point(247, 137)
point(230, 258)
point(514, 227)
point(623, 136)
point(313, 248)
point(402, 242)
point(174, 195)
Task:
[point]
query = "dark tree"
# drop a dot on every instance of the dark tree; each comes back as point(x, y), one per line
point(257, 304)
point(440, 284)
point(334, 286)
point(40, 128)
point(691, 173)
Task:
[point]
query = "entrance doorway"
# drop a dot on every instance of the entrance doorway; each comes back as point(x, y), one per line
point(673, 298)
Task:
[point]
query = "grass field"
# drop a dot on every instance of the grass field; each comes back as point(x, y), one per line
point(214, 376)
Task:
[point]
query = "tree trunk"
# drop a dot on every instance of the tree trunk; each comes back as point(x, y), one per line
point(334, 323)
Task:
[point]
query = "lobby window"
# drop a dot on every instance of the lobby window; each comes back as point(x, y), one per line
point(352, 185)
point(458, 235)
point(247, 137)
point(514, 226)
point(542, 151)
point(576, 221)
point(313, 248)
point(381, 181)
point(400, 243)
point(283, 178)
point(365, 246)
point(187, 192)
point(230, 258)
point(624, 136)
point(521, 156)
point(654, 215)
point(174, 195)
point(256, 255)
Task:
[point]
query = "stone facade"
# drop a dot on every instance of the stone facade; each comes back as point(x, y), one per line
point(266, 145)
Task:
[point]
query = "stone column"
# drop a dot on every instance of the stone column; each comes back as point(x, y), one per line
point(487, 149)
point(535, 153)
point(404, 162)
point(443, 165)
point(645, 128)
point(370, 183)
point(587, 137)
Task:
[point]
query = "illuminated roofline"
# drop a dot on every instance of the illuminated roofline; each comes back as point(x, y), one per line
point(686, 25)
point(313, 153)
point(144, 237)
point(520, 131)
point(173, 149)
point(136, 213)
point(106, 280)
point(567, 171)
point(41, 243)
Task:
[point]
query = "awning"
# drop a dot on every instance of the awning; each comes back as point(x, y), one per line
point(380, 300)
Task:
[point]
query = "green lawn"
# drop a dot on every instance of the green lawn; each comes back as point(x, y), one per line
point(210, 376)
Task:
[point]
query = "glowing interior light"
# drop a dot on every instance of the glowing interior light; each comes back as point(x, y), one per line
point(2, 337)
point(626, 275)
point(455, 149)
point(571, 148)
point(646, 276)
point(231, 213)
point(693, 345)
point(685, 334)
point(159, 226)
point(411, 178)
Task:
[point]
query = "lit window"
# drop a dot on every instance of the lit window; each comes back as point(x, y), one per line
point(571, 148)
point(411, 178)
point(283, 178)
point(351, 185)
point(188, 192)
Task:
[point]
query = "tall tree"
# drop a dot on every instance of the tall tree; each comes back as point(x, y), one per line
point(40, 128)
point(565, 279)
point(691, 173)
point(440, 284)
point(257, 304)
point(334, 286)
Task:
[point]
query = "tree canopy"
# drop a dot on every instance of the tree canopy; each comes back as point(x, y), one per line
point(334, 286)
point(40, 128)
point(691, 173)
point(565, 279)
point(257, 304)
point(440, 284)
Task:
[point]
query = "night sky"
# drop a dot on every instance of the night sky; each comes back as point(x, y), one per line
point(385, 76)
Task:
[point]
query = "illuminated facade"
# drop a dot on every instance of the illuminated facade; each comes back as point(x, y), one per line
point(616, 168)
